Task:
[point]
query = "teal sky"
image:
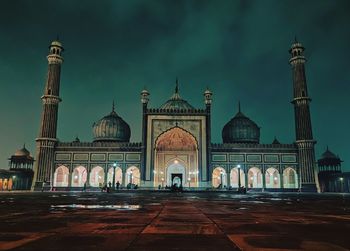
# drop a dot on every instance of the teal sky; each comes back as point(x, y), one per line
point(239, 49)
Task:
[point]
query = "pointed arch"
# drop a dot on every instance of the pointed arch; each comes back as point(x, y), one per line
point(97, 178)
point(219, 178)
point(61, 176)
point(176, 138)
point(79, 176)
point(255, 178)
point(290, 178)
point(272, 178)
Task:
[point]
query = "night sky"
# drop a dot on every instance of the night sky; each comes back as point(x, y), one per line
point(239, 49)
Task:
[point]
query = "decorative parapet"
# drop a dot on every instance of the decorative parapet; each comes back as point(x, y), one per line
point(153, 111)
point(241, 146)
point(110, 146)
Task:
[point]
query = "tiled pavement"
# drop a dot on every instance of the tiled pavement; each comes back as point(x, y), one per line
point(164, 221)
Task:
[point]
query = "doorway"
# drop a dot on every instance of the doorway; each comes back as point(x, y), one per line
point(176, 178)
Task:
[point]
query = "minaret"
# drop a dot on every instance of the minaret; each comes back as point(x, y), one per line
point(303, 128)
point(46, 141)
point(144, 100)
point(208, 100)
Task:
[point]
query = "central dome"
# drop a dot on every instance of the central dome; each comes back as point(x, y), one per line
point(241, 129)
point(111, 128)
point(176, 102)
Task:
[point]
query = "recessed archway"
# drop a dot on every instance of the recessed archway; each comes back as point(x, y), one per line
point(79, 176)
point(254, 178)
point(176, 152)
point(132, 176)
point(97, 177)
point(219, 178)
point(272, 178)
point(234, 181)
point(290, 178)
point(61, 177)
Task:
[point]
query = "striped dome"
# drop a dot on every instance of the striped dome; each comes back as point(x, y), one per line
point(111, 128)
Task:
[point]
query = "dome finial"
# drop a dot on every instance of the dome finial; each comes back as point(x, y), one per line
point(177, 86)
point(295, 39)
point(239, 106)
point(113, 106)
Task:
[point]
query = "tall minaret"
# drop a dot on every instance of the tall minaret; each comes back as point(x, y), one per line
point(144, 100)
point(46, 141)
point(303, 128)
point(208, 100)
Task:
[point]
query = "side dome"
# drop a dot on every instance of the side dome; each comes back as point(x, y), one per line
point(241, 129)
point(111, 128)
point(176, 102)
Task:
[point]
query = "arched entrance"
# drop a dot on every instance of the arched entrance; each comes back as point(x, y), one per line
point(97, 176)
point(61, 177)
point(254, 178)
point(79, 176)
point(272, 178)
point(234, 180)
point(132, 176)
point(290, 178)
point(176, 157)
point(176, 174)
point(219, 178)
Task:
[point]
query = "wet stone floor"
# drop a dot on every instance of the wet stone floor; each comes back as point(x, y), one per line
point(174, 221)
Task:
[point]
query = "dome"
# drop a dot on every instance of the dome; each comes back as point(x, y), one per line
point(240, 129)
point(111, 128)
point(328, 158)
point(56, 43)
point(329, 155)
point(176, 102)
point(22, 152)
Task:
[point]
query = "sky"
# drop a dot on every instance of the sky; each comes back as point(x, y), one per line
point(113, 49)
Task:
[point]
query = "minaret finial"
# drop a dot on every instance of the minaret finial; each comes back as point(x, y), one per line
point(295, 39)
point(24, 145)
point(177, 86)
point(239, 106)
point(113, 106)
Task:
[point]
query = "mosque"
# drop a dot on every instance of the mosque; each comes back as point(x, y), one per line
point(176, 145)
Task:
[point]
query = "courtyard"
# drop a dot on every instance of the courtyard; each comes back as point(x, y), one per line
point(158, 220)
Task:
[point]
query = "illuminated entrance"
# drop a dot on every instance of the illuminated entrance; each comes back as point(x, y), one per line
point(176, 159)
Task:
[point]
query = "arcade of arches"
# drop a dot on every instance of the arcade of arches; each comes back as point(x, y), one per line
point(97, 177)
point(254, 178)
point(176, 159)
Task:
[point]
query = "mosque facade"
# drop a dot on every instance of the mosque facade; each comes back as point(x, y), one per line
point(176, 146)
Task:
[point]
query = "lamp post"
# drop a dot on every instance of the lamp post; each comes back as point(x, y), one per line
point(239, 176)
point(13, 182)
point(341, 184)
point(189, 179)
point(221, 178)
point(130, 176)
point(113, 178)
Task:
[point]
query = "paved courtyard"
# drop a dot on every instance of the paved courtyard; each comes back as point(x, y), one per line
point(170, 221)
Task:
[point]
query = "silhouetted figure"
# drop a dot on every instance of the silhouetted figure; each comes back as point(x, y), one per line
point(117, 184)
point(109, 184)
point(84, 188)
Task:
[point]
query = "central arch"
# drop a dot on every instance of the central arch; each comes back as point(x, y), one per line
point(176, 155)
